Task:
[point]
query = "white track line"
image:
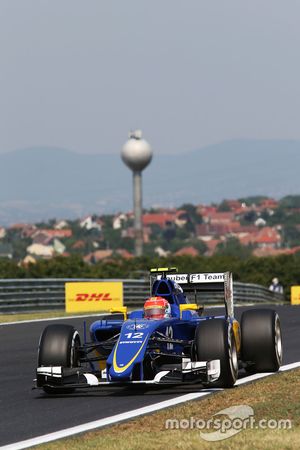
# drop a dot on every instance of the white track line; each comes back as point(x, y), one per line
point(132, 414)
point(53, 318)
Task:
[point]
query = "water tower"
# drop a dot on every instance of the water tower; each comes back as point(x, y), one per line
point(137, 154)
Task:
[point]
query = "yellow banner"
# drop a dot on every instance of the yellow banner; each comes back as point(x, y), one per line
point(295, 295)
point(93, 296)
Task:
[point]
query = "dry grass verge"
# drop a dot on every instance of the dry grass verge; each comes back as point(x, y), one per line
point(276, 398)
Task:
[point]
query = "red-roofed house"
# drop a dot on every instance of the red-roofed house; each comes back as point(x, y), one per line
point(221, 217)
point(269, 203)
point(266, 237)
point(98, 255)
point(157, 219)
point(187, 251)
point(161, 219)
point(65, 233)
point(234, 205)
point(124, 253)
point(217, 229)
point(267, 251)
point(211, 246)
point(205, 210)
point(26, 230)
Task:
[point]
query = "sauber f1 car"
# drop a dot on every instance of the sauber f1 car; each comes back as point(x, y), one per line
point(185, 347)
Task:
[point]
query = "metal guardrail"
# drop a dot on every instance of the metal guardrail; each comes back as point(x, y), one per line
point(28, 295)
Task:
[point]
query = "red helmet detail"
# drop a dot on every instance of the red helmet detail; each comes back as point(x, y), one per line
point(157, 308)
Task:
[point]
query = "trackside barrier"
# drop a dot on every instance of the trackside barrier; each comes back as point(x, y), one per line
point(21, 295)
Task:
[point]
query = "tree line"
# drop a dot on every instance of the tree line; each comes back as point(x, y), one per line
point(251, 270)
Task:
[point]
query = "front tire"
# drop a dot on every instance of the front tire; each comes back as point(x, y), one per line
point(261, 340)
point(214, 339)
point(59, 346)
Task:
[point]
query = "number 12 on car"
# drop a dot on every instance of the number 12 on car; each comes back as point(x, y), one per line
point(134, 335)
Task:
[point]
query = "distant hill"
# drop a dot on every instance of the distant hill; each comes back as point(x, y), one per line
point(43, 183)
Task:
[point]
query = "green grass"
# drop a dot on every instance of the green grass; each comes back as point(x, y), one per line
point(276, 397)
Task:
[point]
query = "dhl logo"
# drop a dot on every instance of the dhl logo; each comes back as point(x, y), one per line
point(93, 297)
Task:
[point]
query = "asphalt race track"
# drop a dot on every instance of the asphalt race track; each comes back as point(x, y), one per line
point(27, 413)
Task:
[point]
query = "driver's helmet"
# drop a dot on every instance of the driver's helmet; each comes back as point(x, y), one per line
point(157, 308)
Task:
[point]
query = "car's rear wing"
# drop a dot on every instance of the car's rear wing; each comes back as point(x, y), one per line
point(201, 282)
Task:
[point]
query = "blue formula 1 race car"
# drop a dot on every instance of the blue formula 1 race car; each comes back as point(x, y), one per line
point(168, 341)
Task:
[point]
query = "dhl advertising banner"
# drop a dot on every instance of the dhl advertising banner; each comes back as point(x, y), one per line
point(295, 295)
point(93, 296)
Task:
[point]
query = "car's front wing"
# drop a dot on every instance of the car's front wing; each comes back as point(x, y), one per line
point(60, 377)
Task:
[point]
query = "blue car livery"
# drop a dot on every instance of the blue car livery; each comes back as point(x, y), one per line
point(186, 347)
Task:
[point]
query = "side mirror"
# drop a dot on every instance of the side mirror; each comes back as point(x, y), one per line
point(121, 309)
point(189, 307)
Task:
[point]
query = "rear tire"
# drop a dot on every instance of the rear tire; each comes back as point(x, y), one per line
point(214, 339)
point(59, 346)
point(261, 340)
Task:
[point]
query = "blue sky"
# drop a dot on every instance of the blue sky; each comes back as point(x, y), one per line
point(80, 74)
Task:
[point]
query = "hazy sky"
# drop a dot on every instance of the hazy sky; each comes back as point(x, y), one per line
point(80, 73)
